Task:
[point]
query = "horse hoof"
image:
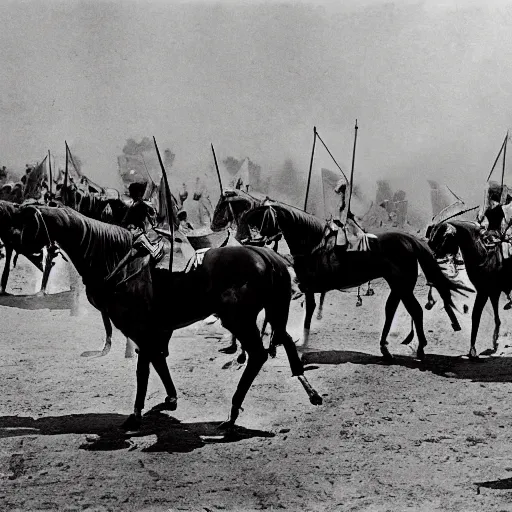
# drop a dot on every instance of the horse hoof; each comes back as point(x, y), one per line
point(241, 358)
point(272, 351)
point(319, 316)
point(420, 355)
point(316, 399)
point(132, 423)
point(456, 327)
point(429, 306)
point(228, 350)
point(507, 306)
point(472, 354)
point(386, 355)
point(226, 426)
point(465, 309)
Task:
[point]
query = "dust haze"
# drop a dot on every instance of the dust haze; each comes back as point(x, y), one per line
point(429, 82)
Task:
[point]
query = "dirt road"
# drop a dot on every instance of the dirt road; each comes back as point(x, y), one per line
point(408, 436)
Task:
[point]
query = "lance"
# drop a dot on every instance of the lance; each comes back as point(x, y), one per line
point(310, 168)
point(352, 170)
point(146, 167)
point(168, 200)
point(66, 173)
point(217, 169)
point(504, 158)
point(497, 158)
point(454, 194)
point(50, 172)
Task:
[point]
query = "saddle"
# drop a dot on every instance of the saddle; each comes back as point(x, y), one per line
point(348, 237)
point(143, 252)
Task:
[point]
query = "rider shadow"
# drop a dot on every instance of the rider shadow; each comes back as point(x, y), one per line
point(103, 434)
point(488, 369)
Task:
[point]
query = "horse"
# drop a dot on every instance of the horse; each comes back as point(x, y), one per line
point(489, 273)
point(235, 283)
point(230, 209)
point(393, 255)
point(7, 213)
point(111, 211)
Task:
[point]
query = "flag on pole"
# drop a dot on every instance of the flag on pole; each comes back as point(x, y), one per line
point(34, 183)
point(167, 207)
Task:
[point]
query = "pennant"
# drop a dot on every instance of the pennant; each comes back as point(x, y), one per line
point(167, 207)
point(34, 181)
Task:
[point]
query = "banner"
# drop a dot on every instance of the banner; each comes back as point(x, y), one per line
point(34, 181)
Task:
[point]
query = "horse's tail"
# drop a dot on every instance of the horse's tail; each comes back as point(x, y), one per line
point(435, 276)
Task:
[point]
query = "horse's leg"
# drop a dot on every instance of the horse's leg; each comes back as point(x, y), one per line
point(495, 300)
point(310, 309)
point(296, 366)
point(453, 318)
point(359, 301)
point(108, 339)
point(370, 291)
point(50, 256)
point(7, 268)
point(321, 306)
point(248, 334)
point(478, 307)
point(430, 299)
point(134, 420)
point(415, 310)
point(390, 310)
point(171, 401)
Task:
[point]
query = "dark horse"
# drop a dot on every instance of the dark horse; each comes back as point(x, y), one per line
point(230, 210)
point(489, 273)
point(393, 255)
point(7, 213)
point(147, 304)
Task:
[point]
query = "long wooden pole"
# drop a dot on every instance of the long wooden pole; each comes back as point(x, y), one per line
point(504, 159)
point(50, 172)
point(310, 168)
point(352, 170)
point(496, 161)
point(66, 175)
point(169, 204)
point(217, 169)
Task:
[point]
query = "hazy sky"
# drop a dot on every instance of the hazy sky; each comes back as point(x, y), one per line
point(430, 83)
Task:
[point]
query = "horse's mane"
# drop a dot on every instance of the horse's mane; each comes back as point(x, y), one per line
point(301, 230)
point(101, 245)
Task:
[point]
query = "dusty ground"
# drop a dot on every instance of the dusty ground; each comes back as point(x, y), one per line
point(408, 436)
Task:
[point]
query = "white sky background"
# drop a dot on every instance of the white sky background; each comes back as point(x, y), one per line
point(430, 84)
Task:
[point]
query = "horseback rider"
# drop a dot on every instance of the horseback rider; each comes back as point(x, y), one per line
point(141, 215)
point(494, 219)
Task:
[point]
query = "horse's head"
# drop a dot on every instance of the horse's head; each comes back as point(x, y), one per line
point(30, 232)
point(263, 219)
point(231, 206)
point(442, 239)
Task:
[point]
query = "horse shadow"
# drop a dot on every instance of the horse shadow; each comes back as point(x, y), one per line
point(103, 433)
point(502, 484)
point(483, 369)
